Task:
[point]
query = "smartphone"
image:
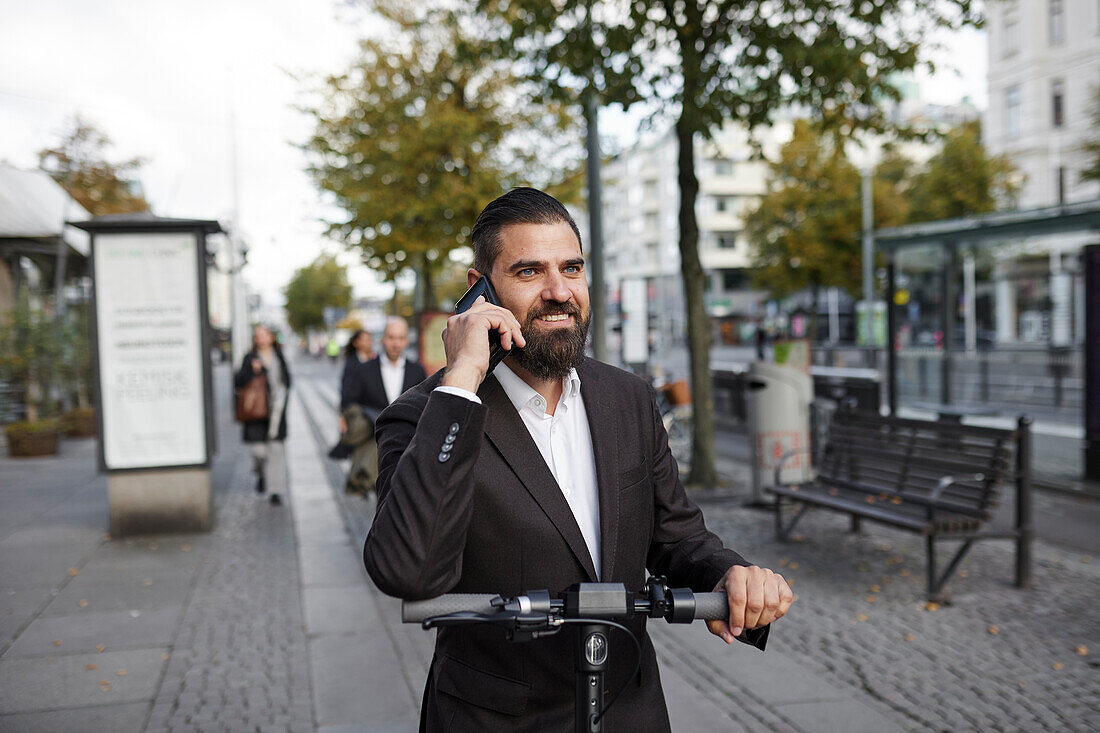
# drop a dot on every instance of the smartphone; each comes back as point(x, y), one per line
point(483, 287)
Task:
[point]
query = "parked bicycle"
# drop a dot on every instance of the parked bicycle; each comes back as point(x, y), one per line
point(595, 608)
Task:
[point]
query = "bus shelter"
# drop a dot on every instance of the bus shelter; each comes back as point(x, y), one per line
point(1032, 278)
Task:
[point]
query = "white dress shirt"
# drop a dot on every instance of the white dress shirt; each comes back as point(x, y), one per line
point(393, 377)
point(565, 441)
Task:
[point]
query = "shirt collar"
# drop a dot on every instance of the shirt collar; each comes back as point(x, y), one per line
point(524, 395)
point(399, 365)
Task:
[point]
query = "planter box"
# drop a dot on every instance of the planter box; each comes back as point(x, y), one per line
point(22, 444)
point(80, 424)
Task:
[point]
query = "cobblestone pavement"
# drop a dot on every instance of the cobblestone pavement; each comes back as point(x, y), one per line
point(995, 659)
point(239, 660)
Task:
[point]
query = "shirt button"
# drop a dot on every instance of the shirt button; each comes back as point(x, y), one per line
point(449, 439)
point(554, 429)
point(454, 428)
point(447, 447)
point(444, 457)
point(567, 491)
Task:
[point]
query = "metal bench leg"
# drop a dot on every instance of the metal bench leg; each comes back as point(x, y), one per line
point(854, 528)
point(936, 583)
point(783, 531)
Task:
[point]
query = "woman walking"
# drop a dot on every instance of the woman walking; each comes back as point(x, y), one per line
point(265, 436)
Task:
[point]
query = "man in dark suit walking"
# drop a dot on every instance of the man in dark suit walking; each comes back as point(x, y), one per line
point(366, 389)
point(553, 469)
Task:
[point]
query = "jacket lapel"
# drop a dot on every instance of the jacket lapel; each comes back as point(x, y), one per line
point(506, 431)
point(605, 451)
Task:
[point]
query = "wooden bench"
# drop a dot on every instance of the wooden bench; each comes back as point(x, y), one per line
point(938, 479)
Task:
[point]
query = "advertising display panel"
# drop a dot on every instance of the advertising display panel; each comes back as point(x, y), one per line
point(149, 332)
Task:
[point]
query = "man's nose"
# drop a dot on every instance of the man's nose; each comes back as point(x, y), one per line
point(557, 288)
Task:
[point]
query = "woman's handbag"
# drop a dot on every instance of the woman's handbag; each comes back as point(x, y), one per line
point(252, 400)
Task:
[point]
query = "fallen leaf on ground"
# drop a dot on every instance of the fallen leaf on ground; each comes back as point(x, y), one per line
point(872, 599)
point(994, 630)
point(57, 642)
point(1057, 665)
point(793, 566)
point(100, 648)
point(166, 655)
point(896, 500)
point(74, 572)
point(783, 561)
point(800, 538)
point(147, 581)
point(904, 572)
point(1082, 650)
point(964, 573)
point(82, 602)
point(90, 667)
point(910, 637)
point(876, 588)
point(186, 548)
point(870, 500)
point(121, 673)
point(862, 617)
point(931, 606)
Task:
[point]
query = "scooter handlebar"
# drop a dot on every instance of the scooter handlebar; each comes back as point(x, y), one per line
point(414, 612)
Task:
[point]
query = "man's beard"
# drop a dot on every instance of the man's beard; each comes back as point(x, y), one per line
point(550, 354)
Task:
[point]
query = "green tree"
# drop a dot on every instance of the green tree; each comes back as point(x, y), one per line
point(962, 179)
point(708, 62)
point(322, 284)
point(1091, 147)
point(29, 353)
point(79, 163)
point(805, 232)
point(415, 138)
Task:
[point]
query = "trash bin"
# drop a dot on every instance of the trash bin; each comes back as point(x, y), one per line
point(779, 400)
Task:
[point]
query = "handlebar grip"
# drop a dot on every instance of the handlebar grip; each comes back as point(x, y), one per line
point(413, 612)
point(712, 606)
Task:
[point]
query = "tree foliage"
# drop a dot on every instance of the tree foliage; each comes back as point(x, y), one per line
point(30, 350)
point(79, 163)
point(1091, 147)
point(322, 284)
point(415, 138)
point(708, 62)
point(962, 179)
point(805, 232)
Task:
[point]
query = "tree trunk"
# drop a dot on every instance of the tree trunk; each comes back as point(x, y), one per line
point(691, 272)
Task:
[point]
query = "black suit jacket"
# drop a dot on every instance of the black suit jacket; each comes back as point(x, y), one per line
point(361, 383)
point(486, 516)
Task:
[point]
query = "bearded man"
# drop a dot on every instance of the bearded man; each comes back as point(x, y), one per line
point(552, 470)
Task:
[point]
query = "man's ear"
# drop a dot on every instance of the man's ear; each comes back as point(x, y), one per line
point(472, 276)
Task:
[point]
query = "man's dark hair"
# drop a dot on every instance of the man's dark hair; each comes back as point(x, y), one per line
point(518, 206)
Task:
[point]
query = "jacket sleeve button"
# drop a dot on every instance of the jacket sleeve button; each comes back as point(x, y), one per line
point(444, 457)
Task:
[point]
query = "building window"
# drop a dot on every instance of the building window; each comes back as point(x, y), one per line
point(1057, 104)
point(1011, 40)
point(1012, 113)
point(1057, 22)
point(727, 240)
point(1061, 182)
point(723, 203)
point(723, 167)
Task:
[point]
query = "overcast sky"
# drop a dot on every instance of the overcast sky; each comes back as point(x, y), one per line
point(164, 78)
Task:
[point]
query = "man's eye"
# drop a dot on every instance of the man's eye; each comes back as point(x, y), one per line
point(573, 269)
point(527, 272)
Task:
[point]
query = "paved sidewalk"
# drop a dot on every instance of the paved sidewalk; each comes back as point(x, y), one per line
point(269, 622)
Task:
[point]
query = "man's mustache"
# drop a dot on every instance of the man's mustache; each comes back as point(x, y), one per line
point(568, 308)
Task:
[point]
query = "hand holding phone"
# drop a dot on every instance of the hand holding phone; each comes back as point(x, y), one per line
point(468, 361)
